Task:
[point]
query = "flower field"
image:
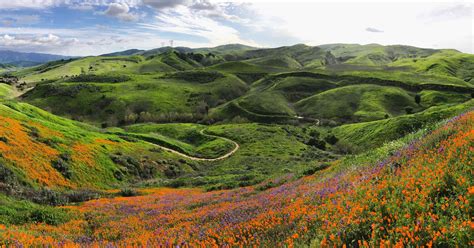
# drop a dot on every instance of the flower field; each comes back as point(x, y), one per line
point(421, 196)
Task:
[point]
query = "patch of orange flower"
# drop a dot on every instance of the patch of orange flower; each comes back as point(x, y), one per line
point(30, 156)
point(419, 197)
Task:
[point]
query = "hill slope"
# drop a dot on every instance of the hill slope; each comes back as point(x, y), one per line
point(419, 196)
point(263, 85)
point(42, 150)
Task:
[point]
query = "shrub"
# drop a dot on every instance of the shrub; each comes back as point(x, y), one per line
point(314, 169)
point(201, 77)
point(409, 110)
point(320, 144)
point(417, 99)
point(48, 197)
point(81, 196)
point(127, 192)
point(344, 148)
point(331, 139)
point(62, 165)
point(99, 78)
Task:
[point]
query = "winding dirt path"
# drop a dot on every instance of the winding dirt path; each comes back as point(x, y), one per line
point(236, 147)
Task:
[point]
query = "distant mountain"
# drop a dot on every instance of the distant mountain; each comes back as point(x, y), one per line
point(123, 53)
point(27, 59)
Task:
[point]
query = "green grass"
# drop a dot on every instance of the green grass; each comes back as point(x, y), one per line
point(368, 135)
point(434, 98)
point(297, 88)
point(187, 137)
point(237, 67)
point(141, 99)
point(91, 158)
point(267, 103)
point(18, 212)
point(5, 90)
point(369, 86)
point(162, 85)
point(266, 151)
point(357, 103)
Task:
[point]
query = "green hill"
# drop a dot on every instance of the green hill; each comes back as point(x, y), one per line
point(357, 103)
point(212, 119)
point(5, 90)
point(278, 83)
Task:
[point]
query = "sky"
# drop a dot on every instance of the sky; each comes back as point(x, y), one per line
point(92, 27)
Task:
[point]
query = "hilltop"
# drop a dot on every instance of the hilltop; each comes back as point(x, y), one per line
point(234, 81)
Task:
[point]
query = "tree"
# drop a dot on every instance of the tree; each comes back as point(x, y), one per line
point(417, 99)
point(131, 118)
point(409, 110)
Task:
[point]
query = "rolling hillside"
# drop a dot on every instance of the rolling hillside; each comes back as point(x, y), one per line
point(263, 85)
point(299, 145)
point(416, 191)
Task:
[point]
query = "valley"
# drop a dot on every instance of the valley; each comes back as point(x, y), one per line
point(231, 146)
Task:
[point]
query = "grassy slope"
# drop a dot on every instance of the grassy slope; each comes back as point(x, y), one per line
point(19, 212)
point(40, 149)
point(111, 102)
point(416, 191)
point(265, 151)
point(5, 90)
point(357, 103)
point(368, 135)
point(189, 137)
point(177, 100)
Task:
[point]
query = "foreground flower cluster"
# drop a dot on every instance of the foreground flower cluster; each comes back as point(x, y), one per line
point(420, 196)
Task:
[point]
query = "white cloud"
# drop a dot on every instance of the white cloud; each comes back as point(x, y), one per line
point(203, 5)
point(38, 43)
point(268, 23)
point(74, 4)
point(163, 4)
point(403, 23)
point(121, 11)
point(373, 30)
point(183, 21)
point(33, 4)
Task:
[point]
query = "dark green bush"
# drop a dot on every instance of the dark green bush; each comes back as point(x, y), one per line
point(127, 192)
point(320, 144)
point(99, 78)
point(331, 139)
point(314, 169)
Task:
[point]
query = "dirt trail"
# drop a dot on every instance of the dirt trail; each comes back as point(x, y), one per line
point(201, 159)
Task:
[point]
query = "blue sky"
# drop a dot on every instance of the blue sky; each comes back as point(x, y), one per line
point(91, 27)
